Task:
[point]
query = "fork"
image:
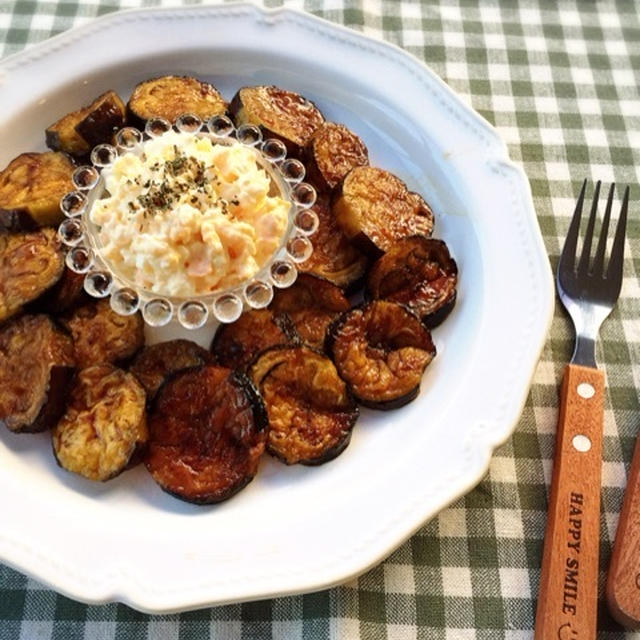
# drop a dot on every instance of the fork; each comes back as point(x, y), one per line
point(568, 594)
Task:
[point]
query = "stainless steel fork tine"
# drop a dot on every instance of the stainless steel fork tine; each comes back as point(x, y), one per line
point(583, 264)
point(614, 270)
point(568, 255)
point(598, 261)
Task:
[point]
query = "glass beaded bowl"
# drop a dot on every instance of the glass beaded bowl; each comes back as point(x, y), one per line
point(80, 234)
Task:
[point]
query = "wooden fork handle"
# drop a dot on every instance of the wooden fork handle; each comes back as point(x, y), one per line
point(568, 595)
point(623, 582)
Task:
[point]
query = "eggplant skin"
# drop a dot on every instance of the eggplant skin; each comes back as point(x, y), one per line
point(36, 366)
point(236, 344)
point(30, 264)
point(331, 153)
point(100, 335)
point(31, 187)
point(334, 257)
point(374, 208)
point(155, 363)
point(207, 434)
point(311, 411)
point(169, 97)
point(281, 114)
point(419, 273)
point(107, 114)
point(381, 350)
point(104, 426)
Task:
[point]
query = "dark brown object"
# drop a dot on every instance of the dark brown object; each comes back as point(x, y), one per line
point(375, 209)
point(331, 153)
point(280, 114)
point(334, 257)
point(79, 131)
point(31, 187)
point(381, 350)
point(104, 426)
point(153, 365)
point(66, 294)
point(30, 263)
point(311, 412)
point(311, 303)
point(568, 596)
point(101, 335)
point(237, 343)
point(169, 97)
point(207, 434)
point(419, 273)
point(36, 364)
point(106, 115)
point(623, 582)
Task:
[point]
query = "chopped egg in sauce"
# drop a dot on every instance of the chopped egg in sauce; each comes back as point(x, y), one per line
point(188, 217)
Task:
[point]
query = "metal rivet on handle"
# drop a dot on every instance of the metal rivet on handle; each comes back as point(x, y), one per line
point(586, 391)
point(581, 443)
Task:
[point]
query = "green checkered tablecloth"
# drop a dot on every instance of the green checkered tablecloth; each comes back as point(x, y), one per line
point(560, 82)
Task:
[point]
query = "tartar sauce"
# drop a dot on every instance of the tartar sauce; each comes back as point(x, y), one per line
point(188, 217)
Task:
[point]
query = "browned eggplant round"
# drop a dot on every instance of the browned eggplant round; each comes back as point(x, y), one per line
point(30, 264)
point(334, 257)
point(31, 187)
point(374, 208)
point(101, 335)
point(207, 434)
point(381, 350)
point(79, 131)
point(311, 412)
point(68, 293)
point(311, 303)
point(331, 153)
point(280, 114)
point(237, 343)
point(36, 365)
point(153, 365)
point(104, 427)
point(419, 273)
point(169, 97)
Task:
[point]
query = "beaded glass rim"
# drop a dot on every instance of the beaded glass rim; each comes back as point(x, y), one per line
point(79, 234)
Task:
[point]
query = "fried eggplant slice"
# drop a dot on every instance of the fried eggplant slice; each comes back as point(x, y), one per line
point(153, 365)
point(280, 114)
point(236, 344)
point(105, 116)
point(104, 427)
point(100, 335)
point(331, 153)
point(419, 273)
point(312, 304)
point(374, 208)
point(31, 187)
point(66, 294)
point(311, 412)
point(30, 264)
point(381, 350)
point(334, 257)
point(207, 433)
point(36, 365)
point(79, 131)
point(169, 97)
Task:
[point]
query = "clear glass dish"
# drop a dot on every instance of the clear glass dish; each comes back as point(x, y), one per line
point(102, 279)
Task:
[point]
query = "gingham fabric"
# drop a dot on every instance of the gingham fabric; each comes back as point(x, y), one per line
point(560, 82)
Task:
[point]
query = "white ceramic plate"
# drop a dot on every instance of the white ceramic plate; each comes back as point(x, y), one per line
point(292, 529)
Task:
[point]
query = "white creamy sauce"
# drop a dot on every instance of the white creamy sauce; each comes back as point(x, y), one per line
point(187, 217)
